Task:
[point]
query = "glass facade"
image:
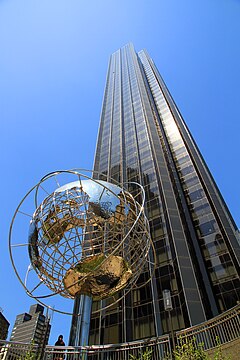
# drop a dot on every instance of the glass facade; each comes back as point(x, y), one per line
point(143, 138)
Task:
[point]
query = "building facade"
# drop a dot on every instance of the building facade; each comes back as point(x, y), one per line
point(33, 327)
point(4, 325)
point(143, 138)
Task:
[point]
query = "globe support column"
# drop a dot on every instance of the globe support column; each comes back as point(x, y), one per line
point(79, 332)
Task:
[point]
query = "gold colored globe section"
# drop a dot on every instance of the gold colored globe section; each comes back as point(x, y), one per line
point(88, 238)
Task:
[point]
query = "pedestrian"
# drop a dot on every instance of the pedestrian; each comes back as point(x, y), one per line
point(59, 355)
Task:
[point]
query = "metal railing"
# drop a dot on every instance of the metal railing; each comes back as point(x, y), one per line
point(221, 329)
point(159, 348)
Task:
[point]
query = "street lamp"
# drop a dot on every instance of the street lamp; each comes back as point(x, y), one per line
point(167, 301)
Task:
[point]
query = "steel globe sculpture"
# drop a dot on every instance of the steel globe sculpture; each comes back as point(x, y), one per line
point(86, 237)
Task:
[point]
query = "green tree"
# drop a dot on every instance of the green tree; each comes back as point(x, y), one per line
point(144, 355)
point(191, 350)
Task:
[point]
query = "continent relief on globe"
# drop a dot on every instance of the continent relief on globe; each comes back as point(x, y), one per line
point(98, 276)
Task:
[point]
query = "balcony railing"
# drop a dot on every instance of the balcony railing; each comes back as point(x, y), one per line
point(159, 348)
point(225, 328)
point(221, 329)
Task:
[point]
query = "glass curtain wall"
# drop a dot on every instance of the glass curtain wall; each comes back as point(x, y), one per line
point(143, 138)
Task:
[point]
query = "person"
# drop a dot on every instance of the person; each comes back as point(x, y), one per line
point(59, 355)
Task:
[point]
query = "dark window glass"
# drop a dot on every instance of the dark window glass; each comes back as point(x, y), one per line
point(201, 209)
point(207, 228)
point(187, 170)
point(183, 159)
point(190, 182)
point(196, 195)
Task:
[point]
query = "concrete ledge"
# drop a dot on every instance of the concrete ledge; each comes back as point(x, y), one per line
point(231, 349)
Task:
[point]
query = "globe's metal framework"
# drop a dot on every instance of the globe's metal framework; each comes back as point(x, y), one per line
point(87, 237)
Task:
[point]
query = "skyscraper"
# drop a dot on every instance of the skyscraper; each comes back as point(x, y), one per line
point(4, 325)
point(32, 327)
point(143, 137)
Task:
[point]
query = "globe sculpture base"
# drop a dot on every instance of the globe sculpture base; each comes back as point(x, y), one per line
point(98, 276)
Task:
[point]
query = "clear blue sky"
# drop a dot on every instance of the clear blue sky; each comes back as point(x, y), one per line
point(53, 62)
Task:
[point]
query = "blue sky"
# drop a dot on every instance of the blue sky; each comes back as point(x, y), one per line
point(53, 62)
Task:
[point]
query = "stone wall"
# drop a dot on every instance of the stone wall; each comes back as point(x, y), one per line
point(231, 349)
